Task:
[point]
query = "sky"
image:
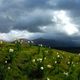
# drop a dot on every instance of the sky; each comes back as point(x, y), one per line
point(31, 19)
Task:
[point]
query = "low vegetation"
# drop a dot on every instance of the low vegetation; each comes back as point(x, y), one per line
point(24, 61)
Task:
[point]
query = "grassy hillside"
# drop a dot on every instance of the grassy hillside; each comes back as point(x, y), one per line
point(23, 61)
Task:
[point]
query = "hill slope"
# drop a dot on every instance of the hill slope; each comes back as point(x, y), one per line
point(23, 61)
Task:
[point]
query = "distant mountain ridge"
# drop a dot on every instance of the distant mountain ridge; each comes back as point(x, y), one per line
point(52, 43)
point(55, 43)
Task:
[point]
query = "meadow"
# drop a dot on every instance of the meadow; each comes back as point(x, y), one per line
point(24, 61)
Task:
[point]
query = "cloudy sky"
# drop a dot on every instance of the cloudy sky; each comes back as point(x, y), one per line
point(56, 19)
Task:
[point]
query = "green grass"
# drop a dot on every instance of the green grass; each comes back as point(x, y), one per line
point(26, 61)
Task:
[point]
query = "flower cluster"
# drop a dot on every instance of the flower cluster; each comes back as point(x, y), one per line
point(39, 59)
point(33, 60)
point(42, 68)
point(65, 73)
point(11, 50)
point(49, 66)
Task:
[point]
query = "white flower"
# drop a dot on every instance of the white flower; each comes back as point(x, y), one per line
point(39, 59)
point(15, 42)
point(79, 54)
point(66, 73)
point(55, 62)
point(5, 61)
point(49, 66)
point(40, 45)
point(11, 50)
point(58, 56)
point(72, 62)
point(48, 78)
point(19, 40)
point(9, 67)
point(32, 41)
point(42, 68)
point(33, 60)
point(28, 41)
point(68, 62)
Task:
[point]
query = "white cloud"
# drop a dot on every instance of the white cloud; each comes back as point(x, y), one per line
point(15, 34)
point(64, 23)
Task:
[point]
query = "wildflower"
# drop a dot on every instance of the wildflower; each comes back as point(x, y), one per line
point(11, 50)
point(40, 59)
point(21, 41)
point(15, 42)
point(33, 60)
point(9, 67)
point(32, 41)
point(55, 62)
point(72, 62)
point(66, 73)
point(40, 45)
point(49, 66)
point(58, 56)
point(42, 68)
point(68, 62)
point(28, 41)
point(48, 78)
point(18, 40)
point(5, 61)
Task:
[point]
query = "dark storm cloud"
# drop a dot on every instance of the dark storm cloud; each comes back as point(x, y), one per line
point(33, 20)
point(64, 4)
point(30, 15)
point(23, 14)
